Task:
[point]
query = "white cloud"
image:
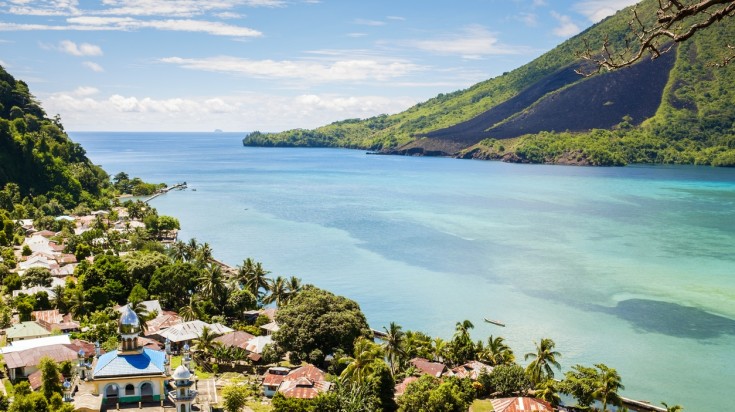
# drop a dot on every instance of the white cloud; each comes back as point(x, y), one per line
point(596, 10)
point(358, 69)
point(366, 22)
point(473, 42)
point(398, 18)
point(97, 23)
point(529, 19)
point(356, 34)
point(566, 27)
point(82, 111)
point(229, 15)
point(93, 66)
point(82, 49)
point(83, 91)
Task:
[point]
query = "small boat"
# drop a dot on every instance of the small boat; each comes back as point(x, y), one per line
point(495, 322)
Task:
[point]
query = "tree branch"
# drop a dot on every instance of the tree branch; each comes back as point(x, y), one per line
point(673, 25)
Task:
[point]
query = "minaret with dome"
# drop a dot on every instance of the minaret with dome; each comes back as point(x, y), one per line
point(131, 374)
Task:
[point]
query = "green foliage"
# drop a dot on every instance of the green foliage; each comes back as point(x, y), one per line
point(37, 276)
point(235, 397)
point(50, 374)
point(315, 319)
point(694, 124)
point(429, 394)
point(283, 404)
point(506, 380)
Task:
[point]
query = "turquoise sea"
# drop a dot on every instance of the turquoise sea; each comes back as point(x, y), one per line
point(633, 267)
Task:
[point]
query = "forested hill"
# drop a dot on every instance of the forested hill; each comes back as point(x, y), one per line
point(676, 109)
point(37, 157)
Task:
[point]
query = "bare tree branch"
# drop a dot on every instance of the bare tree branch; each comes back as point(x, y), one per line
point(676, 21)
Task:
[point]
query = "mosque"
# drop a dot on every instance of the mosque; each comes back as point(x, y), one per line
point(133, 374)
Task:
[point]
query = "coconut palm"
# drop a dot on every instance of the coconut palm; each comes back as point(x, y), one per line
point(189, 312)
point(393, 346)
point(366, 357)
point(252, 275)
point(206, 344)
point(79, 306)
point(548, 391)
point(212, 282)
point(497, 352)
point(178, 251)
point(203, 255)
point(545, 357)
point(191, 249)
point(439, 348)
point(143, 314)
point(279, 292)
point(294, 285)
point(607, 387)
point(462, 347)
point(59, 300)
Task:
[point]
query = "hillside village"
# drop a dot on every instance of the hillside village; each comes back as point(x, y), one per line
point(147, 355)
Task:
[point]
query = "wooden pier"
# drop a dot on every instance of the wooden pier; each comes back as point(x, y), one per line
point(177, 186)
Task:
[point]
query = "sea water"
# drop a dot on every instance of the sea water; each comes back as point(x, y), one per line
point(633, 267)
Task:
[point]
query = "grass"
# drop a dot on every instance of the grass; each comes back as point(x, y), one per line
point(8, 386)
point(200, 373)
point(259, 407)
point(481, 405)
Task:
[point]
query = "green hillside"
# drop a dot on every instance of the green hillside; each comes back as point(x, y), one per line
point(37, 158)
point(686, 117)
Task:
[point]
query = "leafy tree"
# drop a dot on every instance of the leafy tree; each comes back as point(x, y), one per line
point(281, 403)
point(543, 359)
point(138, 294)
point(315, 319)
point(37, 276)
point(429, 394)
point(235, 397)
point(507, 380)
point(672, 408)
point(580, 382)
point(173, 284)
point(49, 377)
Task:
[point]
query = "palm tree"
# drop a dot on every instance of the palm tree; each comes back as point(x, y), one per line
point(178, 251)
point(252, 275)
point(143, 314)
point(607, 387)
point(212, 282)
point(497, 352)
point(545, 357)
point(279, 292)
point(366, 356)
point(294, 285)
point(462, 347)
point(189, 312)
point(79, 306)
point(191, 249)
point(204, 254)
point(548, 391)
point(439, 348)
point(59, 300)
point(393, 345)
point(206, 343)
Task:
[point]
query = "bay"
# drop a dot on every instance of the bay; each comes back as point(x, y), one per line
point(633, 267)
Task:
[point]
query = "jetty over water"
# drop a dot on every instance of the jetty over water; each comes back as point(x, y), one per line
point(177, 186)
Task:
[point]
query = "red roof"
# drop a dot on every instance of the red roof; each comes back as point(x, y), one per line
point(164, 320)
point(306, 382)
point(274, 376)
point(471, 369)
point(427, 367)
point(401, 387)
point(521, 404)
point(237, 339)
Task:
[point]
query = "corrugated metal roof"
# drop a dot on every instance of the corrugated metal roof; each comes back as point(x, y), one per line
point(192, 330)
point(427, 367)
point(26, 329)
point(521, 404)
point(32, 357)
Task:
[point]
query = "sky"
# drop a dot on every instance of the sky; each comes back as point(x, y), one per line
point(268, 65)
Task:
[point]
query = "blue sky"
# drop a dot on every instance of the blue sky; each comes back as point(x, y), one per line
point(271, 65)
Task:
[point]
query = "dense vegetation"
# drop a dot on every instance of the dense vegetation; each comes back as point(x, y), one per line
point(694, 122)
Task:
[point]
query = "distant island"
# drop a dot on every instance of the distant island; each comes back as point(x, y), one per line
point(676, 109)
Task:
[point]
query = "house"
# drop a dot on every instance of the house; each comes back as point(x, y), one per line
point(306, 382)
point(20, 345)
point(22, 363)
point(25, 330)
point(38, 243)
point(427, 367)
point(257, 344)
point(270, 328)
point(401, 387)
point(236, 339)
point(185, 332)
point(471, 369)
point(35, 289)
point(163, 321)
point(272, 380)
point(52, 320)
point(521, 404)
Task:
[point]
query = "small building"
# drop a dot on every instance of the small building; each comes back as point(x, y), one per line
point(186, 332)
point(306, 382)
point(52, 320)
point(521, 404)
point(270, 328)
point(471, 369)
point(401, 387)
point(163, 321)
point(272, 380)
point(236, 339)
point(22, 363)
point(24, 331)
point(427, 367)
